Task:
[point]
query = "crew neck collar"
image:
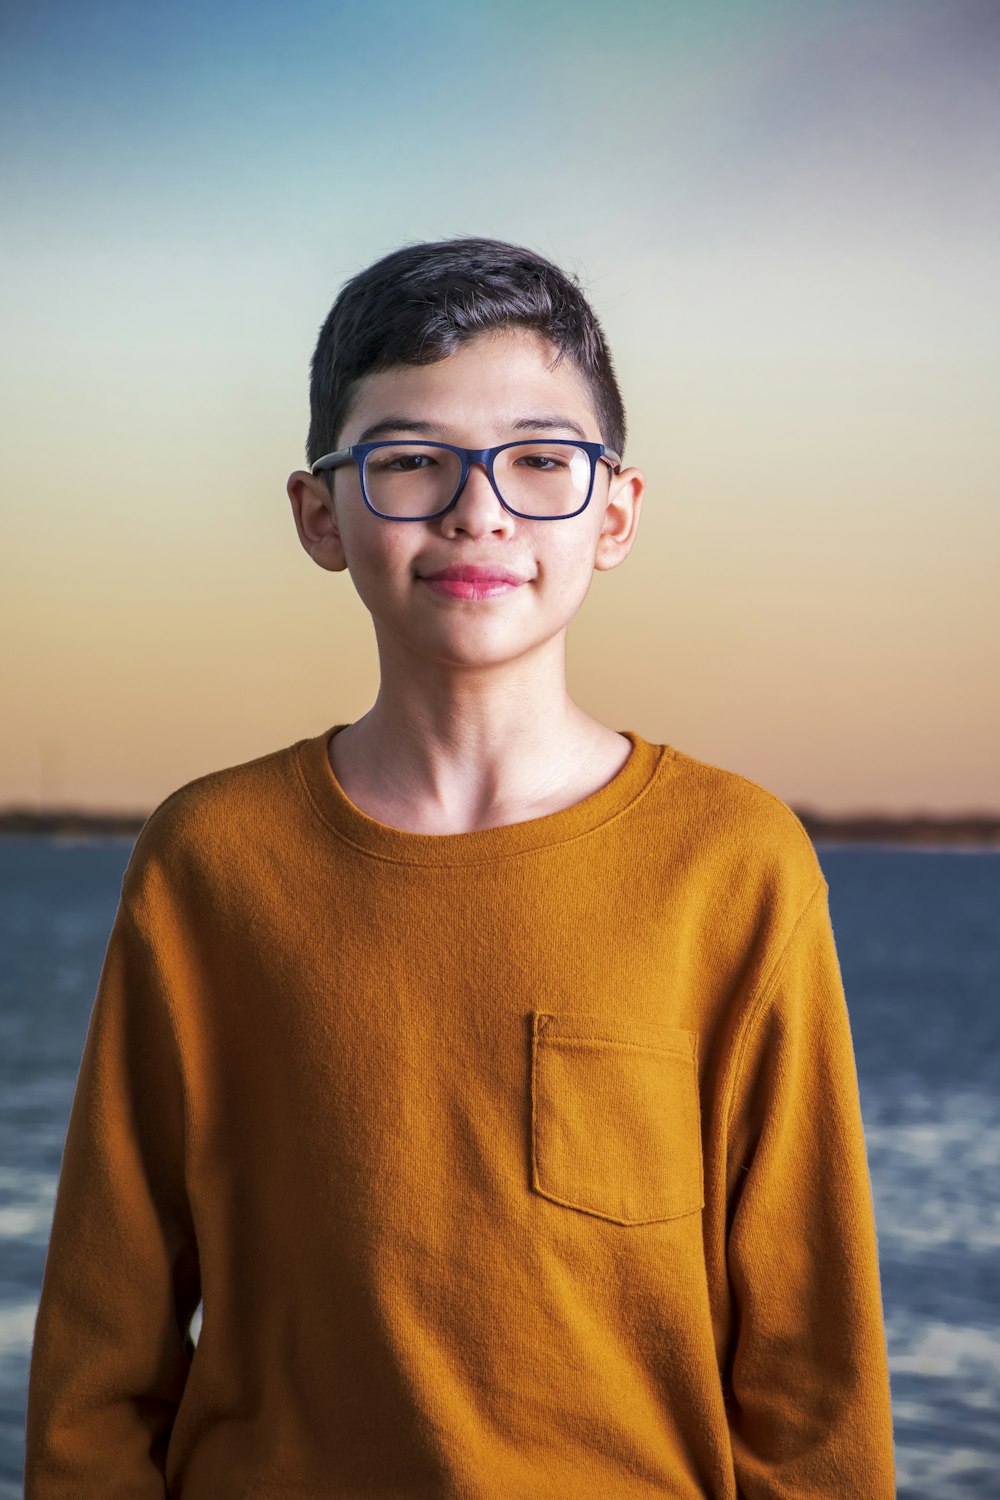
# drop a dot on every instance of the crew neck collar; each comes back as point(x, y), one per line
point(480, 845)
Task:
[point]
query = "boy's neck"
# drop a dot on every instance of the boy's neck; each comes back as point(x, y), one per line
point(459, 761)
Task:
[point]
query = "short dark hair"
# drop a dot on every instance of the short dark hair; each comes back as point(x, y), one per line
point(419, 303)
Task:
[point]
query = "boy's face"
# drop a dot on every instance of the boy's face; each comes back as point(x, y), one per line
point(473, 398)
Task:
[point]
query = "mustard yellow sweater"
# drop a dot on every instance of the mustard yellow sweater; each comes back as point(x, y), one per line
point(519, 1164)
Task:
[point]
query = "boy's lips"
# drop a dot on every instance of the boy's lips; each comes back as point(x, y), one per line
point(473, 581)
point(474, 573)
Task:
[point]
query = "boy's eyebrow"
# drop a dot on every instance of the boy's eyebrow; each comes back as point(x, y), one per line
point(390, 426)
point(547, 424)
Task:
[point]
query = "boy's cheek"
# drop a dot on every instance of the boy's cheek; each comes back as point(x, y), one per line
point(369, 556)
point(380, 577)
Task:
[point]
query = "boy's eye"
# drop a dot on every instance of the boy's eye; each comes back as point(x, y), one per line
point(409, 461)
point(399, 463)
point(541, 461)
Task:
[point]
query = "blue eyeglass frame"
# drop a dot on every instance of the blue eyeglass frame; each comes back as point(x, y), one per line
point(358, 452)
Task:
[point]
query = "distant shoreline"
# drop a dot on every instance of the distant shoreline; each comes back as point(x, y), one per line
point(928, 830)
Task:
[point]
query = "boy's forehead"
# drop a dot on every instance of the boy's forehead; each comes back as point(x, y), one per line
point(497, 378)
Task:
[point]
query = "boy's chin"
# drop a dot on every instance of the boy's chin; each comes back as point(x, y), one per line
point(458, 645)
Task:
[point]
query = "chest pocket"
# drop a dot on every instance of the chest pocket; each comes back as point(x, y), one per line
point(615, 1117)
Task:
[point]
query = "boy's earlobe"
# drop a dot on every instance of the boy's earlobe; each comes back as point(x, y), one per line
point(316, 521)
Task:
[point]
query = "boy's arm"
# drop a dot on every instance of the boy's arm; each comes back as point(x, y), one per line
point(807, 1382)
point(121, 1279)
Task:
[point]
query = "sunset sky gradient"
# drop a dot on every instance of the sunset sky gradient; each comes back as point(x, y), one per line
point(787, 217)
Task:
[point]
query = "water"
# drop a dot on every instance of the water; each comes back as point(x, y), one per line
point(918, 934)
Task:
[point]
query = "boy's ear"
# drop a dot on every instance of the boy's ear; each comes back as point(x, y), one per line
point(621, 518)
point(316, 520)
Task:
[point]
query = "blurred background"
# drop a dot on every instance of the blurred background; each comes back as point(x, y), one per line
point(787, 217)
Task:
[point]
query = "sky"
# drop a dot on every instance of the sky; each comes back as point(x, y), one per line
point(787, 218)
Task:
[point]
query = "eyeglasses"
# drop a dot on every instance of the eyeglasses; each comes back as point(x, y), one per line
point(546, 479)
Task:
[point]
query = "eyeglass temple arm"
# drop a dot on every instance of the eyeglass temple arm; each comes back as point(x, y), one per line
point(331, 460)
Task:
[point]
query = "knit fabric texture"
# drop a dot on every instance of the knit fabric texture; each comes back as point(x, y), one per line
point(524, 1163)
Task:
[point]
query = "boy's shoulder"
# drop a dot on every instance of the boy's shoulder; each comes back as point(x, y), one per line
point(723, 817)
point(217, 818)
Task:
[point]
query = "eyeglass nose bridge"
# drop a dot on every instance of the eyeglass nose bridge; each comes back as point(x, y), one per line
point(469, 456)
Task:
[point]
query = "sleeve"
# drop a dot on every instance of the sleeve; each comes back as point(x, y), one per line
point(808, 1381)
point(111, 1347)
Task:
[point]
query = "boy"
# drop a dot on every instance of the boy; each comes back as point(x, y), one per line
point(484, 1071)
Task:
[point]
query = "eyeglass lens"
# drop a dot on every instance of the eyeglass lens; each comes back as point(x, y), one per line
point(538, 478)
